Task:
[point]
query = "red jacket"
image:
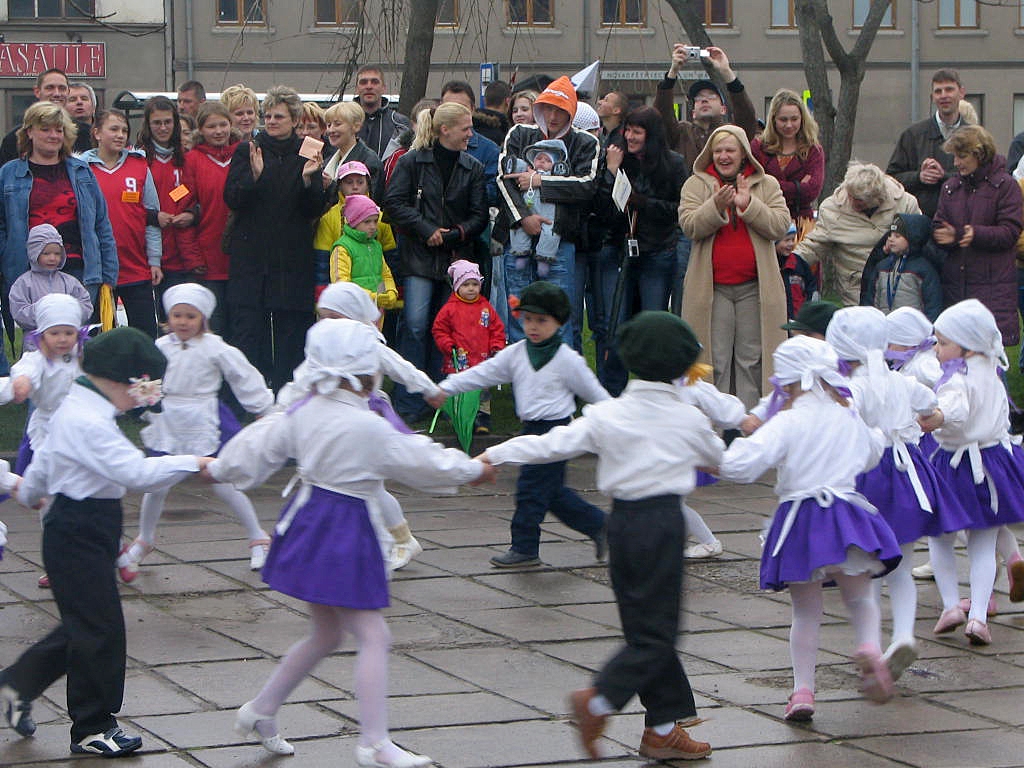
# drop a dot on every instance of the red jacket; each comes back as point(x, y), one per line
point(206, 172)
point(181, 252)
point(474, 330)
point(800, 197)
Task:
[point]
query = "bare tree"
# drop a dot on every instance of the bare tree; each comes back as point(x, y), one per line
point(419, 42)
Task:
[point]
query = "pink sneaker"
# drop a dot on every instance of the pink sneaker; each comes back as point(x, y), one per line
point(128, 566)
point(875, 680)
point(800, 708)
point(993, 609)
point(950, 619)
point(44, 582)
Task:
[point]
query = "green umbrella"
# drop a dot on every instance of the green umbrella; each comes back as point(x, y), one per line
point(462, 410)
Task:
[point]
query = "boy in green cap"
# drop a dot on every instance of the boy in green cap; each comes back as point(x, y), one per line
point(649, 444)
point(85, 466)
point(546, 375)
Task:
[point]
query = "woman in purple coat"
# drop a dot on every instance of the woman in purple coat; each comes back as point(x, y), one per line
point(977, 223)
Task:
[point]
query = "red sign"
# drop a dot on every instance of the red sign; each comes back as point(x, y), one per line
point(31, 59)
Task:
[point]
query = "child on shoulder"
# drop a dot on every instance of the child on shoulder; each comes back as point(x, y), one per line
point(649, 444)
point(46, 256)
point(546, 375)
point(193, 420)
point(358, 258)
point(468, 331)
point(823, 530)
point(903, 268)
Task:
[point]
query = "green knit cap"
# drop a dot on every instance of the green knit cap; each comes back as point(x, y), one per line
point(657, 346)
point(122, 354)
point(544, 298)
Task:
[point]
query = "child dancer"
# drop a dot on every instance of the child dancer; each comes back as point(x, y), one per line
point(649, 443)
point(904, 486)
point(546, 376)
point(86, 464)
point(468, 331)
point(823, 529)
point(193, 420)
point(325, 551)
point(984, 469)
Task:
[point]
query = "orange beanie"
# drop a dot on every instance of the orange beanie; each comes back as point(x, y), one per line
point(561, 94)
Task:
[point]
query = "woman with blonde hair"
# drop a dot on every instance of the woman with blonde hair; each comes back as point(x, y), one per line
point(789, 150)
point(244, 106)
point(343, 120)
point(520, 111)
point(438, 201)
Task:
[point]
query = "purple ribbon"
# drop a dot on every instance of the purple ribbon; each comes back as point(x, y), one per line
point(31, 339)
point(382, 407)
point(778, 399)
point(949, 368)
point(899, 358)
point(845, 367)
point(299, 403)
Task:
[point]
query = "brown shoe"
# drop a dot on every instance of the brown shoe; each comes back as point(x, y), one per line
point(590, 726)
point(676, 745)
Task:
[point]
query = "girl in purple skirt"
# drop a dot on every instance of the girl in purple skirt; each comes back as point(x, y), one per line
point(904, 486)
point(823, 530)
point(324, 549)
point(193, 419)
point(979, 461)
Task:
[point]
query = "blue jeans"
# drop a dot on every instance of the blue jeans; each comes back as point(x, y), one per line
point(683, 248)
point(562, 274)
point(423, 300)
point(648, 278)
point(586, 289)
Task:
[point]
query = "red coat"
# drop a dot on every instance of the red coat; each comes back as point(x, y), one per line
point(800, 197)
point(206, 172)
point(181, 252)
point(474, 330)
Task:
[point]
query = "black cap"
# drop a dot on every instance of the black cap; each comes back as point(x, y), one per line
point(657, 346)
point(123, 354)
point(813, 317)
point(545, 298)
point(704, 85)
point(899, 226)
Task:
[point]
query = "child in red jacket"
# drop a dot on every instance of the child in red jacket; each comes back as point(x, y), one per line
point(468, 330)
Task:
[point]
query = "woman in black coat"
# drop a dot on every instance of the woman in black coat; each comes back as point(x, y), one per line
point(437, 201)
point(275, 195)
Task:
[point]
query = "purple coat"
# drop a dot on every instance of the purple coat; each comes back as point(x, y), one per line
point(990, 201)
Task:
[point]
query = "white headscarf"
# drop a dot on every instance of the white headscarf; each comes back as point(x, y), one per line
point(336, 351)
point(859, 333)
point(194, 295)
point(806, 359)
point(57, 309)
point(971, 325)
point(907, 327)
point(350, 300)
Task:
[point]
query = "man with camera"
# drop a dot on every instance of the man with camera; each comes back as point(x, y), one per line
point(709, 108)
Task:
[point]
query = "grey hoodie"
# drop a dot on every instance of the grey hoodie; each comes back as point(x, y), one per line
point(39, 281)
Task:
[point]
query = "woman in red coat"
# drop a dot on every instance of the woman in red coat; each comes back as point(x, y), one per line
point(789, 151)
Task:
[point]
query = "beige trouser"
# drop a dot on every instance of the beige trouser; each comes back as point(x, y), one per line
point(736, 340)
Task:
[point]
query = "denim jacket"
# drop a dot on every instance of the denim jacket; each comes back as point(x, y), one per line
point(99, 252)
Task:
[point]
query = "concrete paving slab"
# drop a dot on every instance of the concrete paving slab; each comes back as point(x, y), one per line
point(447, 709)
point(952, 749)
point(326, 752)
point(229, 684)
point(1002, 705)
point(591, 655)
point(800, 754)
point(406, 677)
point(536, 624)
point(550, 587)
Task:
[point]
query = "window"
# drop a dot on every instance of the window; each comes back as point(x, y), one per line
point(717, 13)
point(51, 9)
point(336, 13)
point(860, 13)
point(782, 14)
point(447, 13)
point(623, 13)
point(530, 12)
point(954, 14)
point(230, 12)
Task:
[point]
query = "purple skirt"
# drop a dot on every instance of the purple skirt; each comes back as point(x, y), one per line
point(1007, 472)
point(329, 554)
point(928, 445)
point(703, 478)
point(820, 537)
point(890, 490)
point(229, 426)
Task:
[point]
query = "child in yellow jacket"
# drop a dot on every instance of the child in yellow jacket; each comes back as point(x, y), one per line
point(357, 256)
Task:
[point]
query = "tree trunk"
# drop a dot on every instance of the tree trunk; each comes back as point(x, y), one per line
point(419, 43)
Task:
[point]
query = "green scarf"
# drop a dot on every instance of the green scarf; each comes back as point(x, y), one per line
point(86, 382)
point(540, 354)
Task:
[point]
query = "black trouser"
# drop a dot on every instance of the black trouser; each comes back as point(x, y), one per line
point(645, 562)
point(80, 546)
point(272, 339)
point(140, 306)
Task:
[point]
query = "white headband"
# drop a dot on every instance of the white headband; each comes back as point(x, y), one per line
point(57, 309)
point(194, 295)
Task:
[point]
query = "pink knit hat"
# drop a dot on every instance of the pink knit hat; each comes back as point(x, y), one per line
point(460, 271)
point(352, 166)
point(359, 208)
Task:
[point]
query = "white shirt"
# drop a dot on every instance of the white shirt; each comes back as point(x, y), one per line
point(340, 445)
point(544, 395)
point(892, 403)
point(924, 366)
point(815, 444)
point(725, 411)
point(51, 380)
point(190, 420)
point(974, 407)
point(85, 456)
point(649, 442)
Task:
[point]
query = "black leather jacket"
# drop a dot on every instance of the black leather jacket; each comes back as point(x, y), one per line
point(656, 201)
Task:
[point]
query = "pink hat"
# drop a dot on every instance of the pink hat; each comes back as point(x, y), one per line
point(460, 271)
point(359, 208)
point(352, 166)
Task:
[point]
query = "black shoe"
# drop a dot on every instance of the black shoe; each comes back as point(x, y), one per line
point(113, 743)
point(17, 712)
point(513, 559)
point(600, 545)
point(482, 426)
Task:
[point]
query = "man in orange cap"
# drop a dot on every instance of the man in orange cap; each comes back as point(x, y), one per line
point(570, 186)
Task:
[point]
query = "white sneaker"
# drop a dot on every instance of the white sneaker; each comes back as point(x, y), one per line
point(401, 554)
point(703, 551)
point(258, 549)
point(923, 572)
point(367, 757)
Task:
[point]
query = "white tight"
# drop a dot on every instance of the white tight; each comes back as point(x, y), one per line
point(807, 611)
point(153, 506)
point(390, 510)
point(696, 527)
point(902, 596)
point(328, 627)
point(1006, 544)
point(981, 552)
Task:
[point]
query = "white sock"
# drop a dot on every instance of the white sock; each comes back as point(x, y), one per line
point(981, 549)
point(600, 706)
point(242, 508)
point(940, 550)
point(696, 527)
point(150, 509)
point(664, 729)
point(804, 632)
point(859, 600)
